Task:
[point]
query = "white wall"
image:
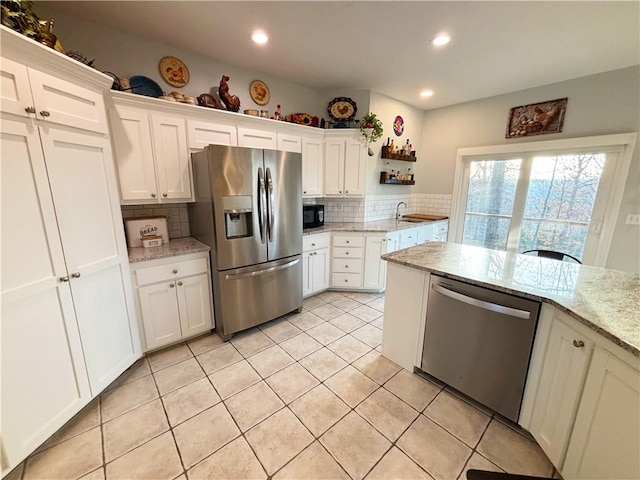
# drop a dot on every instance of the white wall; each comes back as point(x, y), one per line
point(598, 104)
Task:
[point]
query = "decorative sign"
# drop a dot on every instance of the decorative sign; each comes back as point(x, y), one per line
point(174, 72)
point(398, 125)
point(536, 118)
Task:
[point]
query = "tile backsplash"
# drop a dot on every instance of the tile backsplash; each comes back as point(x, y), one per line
point(176, 213)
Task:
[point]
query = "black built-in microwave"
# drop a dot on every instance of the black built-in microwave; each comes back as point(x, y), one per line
point(312, 216)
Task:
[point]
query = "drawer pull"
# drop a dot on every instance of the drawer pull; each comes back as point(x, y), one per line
point(180, 284)
point(164, 195)
point(172, 285)
point(64, 279)
point(578, 343)
point(347, 241)
point(153, 195)
point(346, 280)
point(346, 253)
point(30, 109)
point(346, 266)
point(304, 193)
point(75, 275)
point(44, 113)
point(175, 270)
point(313, 244)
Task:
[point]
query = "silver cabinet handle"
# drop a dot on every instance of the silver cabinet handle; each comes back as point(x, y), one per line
point(30, 109)
point(271, 202)
point(164, 195)
point(172, 285)
point(494, 307)
point(153, 195)
point(175, 270)
point(64, 279)
point(75, 275)
point(238, 276)
point(578, 343)
point(179, 284)
point(44, 113)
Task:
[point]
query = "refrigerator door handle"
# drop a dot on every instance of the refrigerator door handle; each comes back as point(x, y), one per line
point(272, 210)
point(238, 276)
point(262, 207)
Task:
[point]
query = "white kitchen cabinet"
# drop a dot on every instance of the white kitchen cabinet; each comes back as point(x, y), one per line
point(312, 167)
point(315, 263)
point(252, 138)
point(425, 233)
point(171, 157)
point(408, 238)
point(393, 241)
point(346, 260)
point(200, 134)
point(605, 440)
point(173, 298)
point(375, 269)
point(563, 374)
point(345, 164)
point(289, 143)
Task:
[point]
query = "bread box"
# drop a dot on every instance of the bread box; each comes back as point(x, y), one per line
point(139, 227)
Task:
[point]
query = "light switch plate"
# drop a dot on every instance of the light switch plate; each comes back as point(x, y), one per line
point(633, 219)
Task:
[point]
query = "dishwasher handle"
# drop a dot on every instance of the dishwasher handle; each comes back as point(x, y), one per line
point(481, 303)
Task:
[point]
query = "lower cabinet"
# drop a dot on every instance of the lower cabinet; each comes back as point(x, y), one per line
point(375, 269)
point(346, 261)
point(315, 263)
point(173, 298)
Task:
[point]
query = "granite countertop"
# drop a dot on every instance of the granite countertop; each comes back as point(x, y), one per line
point(380, 226)
point(178, 246)
point(605, 300)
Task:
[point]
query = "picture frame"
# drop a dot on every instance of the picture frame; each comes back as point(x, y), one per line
point(174, 71)
point(259, 92)
point(536, 118)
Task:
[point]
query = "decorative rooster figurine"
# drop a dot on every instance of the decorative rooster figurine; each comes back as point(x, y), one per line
point(231, 101)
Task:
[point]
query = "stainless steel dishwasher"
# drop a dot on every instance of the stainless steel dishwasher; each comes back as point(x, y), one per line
point(479, 342)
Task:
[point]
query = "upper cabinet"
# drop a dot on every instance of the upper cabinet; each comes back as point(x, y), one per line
point(201, 134)
point(312, 166)
point(344, 166)
point(249, 137)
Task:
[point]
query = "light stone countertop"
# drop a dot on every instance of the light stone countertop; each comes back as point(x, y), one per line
point(607, 301)
point(178, 246)
point(379, 226)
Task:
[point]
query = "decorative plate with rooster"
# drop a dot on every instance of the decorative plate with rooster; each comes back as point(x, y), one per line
point(342, 109)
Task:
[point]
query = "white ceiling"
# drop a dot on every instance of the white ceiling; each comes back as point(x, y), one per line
point(497, 47)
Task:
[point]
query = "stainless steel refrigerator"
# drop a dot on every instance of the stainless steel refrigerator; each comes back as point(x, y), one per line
point(248, 209)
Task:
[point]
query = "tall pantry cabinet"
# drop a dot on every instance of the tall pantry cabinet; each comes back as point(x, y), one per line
point(68, 325)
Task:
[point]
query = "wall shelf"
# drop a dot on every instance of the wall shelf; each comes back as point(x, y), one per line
point(393, 181)
point(397, 156)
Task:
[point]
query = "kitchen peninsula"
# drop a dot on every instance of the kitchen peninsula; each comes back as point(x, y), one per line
point(583, 385)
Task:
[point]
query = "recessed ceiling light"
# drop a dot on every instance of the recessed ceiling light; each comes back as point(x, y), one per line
point(426, 93)
point(440, 40)
point(259, 37)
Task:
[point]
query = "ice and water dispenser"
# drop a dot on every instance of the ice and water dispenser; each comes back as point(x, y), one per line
point(237, 216)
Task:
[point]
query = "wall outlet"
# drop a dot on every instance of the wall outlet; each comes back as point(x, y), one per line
point(633, 219)
point(340, 206)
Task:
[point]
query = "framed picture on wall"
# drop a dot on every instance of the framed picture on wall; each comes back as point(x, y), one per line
point(536, 118)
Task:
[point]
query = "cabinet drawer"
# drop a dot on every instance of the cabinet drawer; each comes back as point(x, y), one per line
point(347, 241)
point(347, 252)
point(347, 265)
point(346, 280)
point(170, 271)
point(313, 242)
point(441, 227)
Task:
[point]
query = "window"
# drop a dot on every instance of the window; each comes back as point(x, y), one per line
point(560, 195)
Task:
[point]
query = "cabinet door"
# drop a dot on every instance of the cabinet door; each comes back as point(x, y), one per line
point(312, 167)
point(82, 180)
point(289, 143)
point(354, 169)
point(160, 314)
point(172, 157)
point(334, 167)
point(375, 269)
point(307, 273)
point(408, 238)
point(67, 104)
point(393, 242)
point(15, 93)
point(201, 134)
point(425, 233)
point(320, 270)
point(606, 436)
point(257, 138)
point(561, 383)
point(44, 381)
point(194, 304)
point(134, 154)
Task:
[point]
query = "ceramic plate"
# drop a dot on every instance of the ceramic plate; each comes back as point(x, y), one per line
point(145, 86)
point(342, 108)
point(259, 92)
point(174, 72)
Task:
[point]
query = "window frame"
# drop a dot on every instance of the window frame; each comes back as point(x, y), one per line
point(622, 145)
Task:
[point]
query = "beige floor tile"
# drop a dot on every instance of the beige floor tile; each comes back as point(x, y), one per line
point(351, 385)
point(347, 322)
point(362, 297)
point(218, 358)
point(292, 382)
point(314, 463)
point(278, 439)
point(305, 320)
point(411, 388)
point(441, 454)
point(300, 346)
point(323, 363)
point(368, 334)
point(86, 419)
point(366, 313)
point(188, 401)
point(253, 405)
point(376, 367)
point(178, 375)
point(349, 348)
point(134, 428)
point(95, 475)
point(377, 304)
point(378, 322)
point(397, 465)
point(205, 433)
point(205, 343)
point(279, 330)
point(319, 409)
point(251, 342)
point(346, 303)
point(312, 302)
point(137, 370)
point(355, 444)
point(327, 311)
point(169, 356)
point(387, 413)
point(157, 459)
point(70, 459)
point(234, 379)
point(329, 296)
point(127, 397)
point(233, 461)
point(478, 462)
point(458, 417)
point(325, 333)
point(269, 361)
point(513, 452)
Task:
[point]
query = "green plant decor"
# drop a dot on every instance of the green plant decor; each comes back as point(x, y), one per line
point(18, 15)
point(371, 128)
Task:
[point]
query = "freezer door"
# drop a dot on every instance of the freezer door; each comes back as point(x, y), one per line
point(283, 177)
point(239, 204)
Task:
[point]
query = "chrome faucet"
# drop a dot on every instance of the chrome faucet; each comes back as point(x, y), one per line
point(398, 209)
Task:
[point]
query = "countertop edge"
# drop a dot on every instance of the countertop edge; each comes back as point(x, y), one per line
point(362, 227)
point(175, 248)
